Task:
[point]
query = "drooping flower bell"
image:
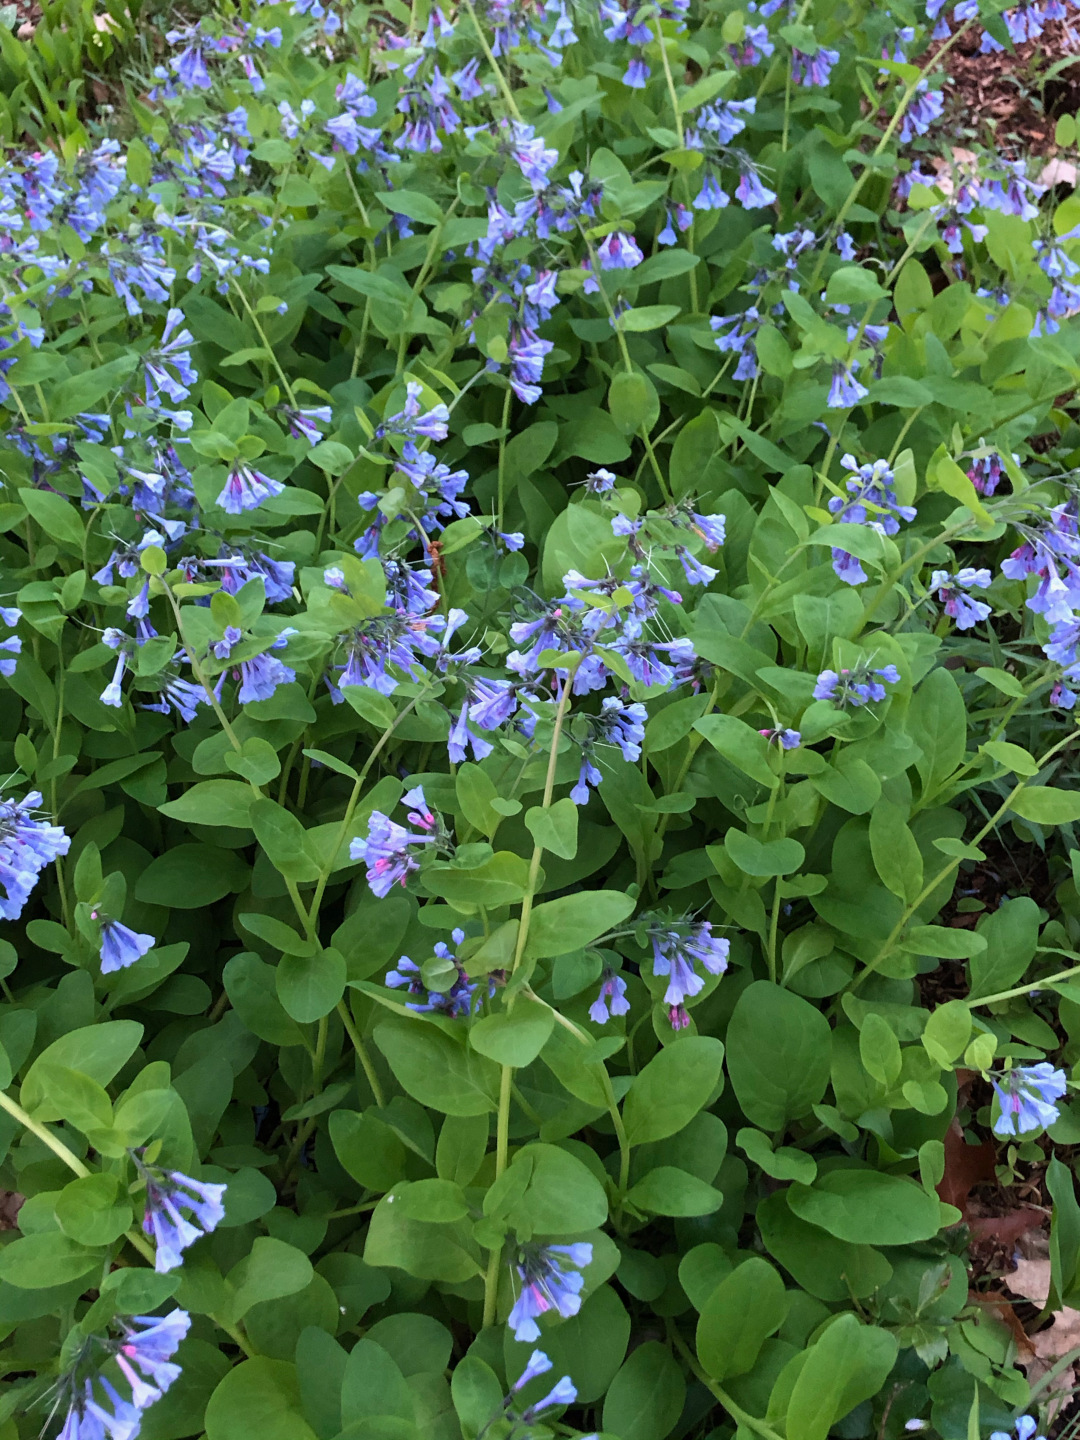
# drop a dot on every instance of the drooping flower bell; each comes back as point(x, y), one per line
point(168, 1193)
point(1027, 1096)
point(550, 1280)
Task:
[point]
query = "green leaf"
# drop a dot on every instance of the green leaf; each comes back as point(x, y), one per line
point(478, 1394)
point(501, 880)
point(672, 1088)
point(646, 1397)
point(513, 1037)
point(213, 802)
point(83, 392)
point(573, 921)
point(96, 1051)
point(667, 1190)
point(370, 1150)
point(437, 1070)
point(879, 1050)
point(373, 1388)
point(548, 1191)
point(896, 854)
point(37, 1262)
point(87, 1210)
point(1046, 805)
point(259, 1397)
point(631, 396)
point(866, 1207)
point(786, 1163)
point(309, 986)
point(937, 722)
point(56, 516)
point(1011, 933)
point(739, 1316)
point(852, 285)
point(270, 1271)
point(556, 828)
point(190, 877)
point(284, 839)
point(848, 1364)
point(828, 1268)
point(755, 857)
point(779, 1051)
point(741, 744)
point(648, 317)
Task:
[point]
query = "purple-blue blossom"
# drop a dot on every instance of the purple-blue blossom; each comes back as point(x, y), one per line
point(951, 589)
point(389, 850)
point(677, 949)
point(246, 489)
point(168, 1194)
point(120, 945)
point(27, 846)
point(611, 999)
point(1027, 1096)
point(550, 1279)
point(855, 687)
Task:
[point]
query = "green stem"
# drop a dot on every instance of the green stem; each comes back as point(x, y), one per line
point(502, 1150)
point(737, 1413)
point(1022, 989)
point(362, 1054)
point(504, 426)
point(507, 93)
point(267, 346)
point(943, 874)
point(59, 1149)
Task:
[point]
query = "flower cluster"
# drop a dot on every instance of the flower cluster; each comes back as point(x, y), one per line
point(27, 845)
point(143, 1354)
point(551, 1279)
point(1027, 1096)
point(855, 687)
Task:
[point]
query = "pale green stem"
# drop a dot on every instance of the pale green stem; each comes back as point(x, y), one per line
point(943, 874)
point(362, 1054)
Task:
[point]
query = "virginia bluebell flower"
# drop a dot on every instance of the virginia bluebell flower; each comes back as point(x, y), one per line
point(985, 473)
point(88, 1419)
point(786, 739)
point(855, 687)
point(926, 107)
point(550, 1280)
point(432, 424)
point(950, 589)
point(12, 646)
point(120, 946)
point(813, 69)
point(26, 847)
point(676, 949)
point(872, 502)
point(735, 335)
point(1026, 1095)
point(1024, 1429)
point(751, 193)
point(168, 1193)
point(457, 999)
point(149, 1351)
point(386, 848)
point(246, 489)
point(611, 999)
point(845, 390)
point(619, 252)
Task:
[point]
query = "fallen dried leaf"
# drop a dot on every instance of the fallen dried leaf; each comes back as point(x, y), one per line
point(1031, 1279)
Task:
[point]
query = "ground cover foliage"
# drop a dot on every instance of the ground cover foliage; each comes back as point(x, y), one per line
point(539, 552)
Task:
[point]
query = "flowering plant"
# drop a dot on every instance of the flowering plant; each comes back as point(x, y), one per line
point(540, 558)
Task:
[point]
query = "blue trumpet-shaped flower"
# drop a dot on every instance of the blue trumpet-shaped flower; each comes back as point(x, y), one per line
point(1027, 1095)
point(167, 1194)
point(550, 1280)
